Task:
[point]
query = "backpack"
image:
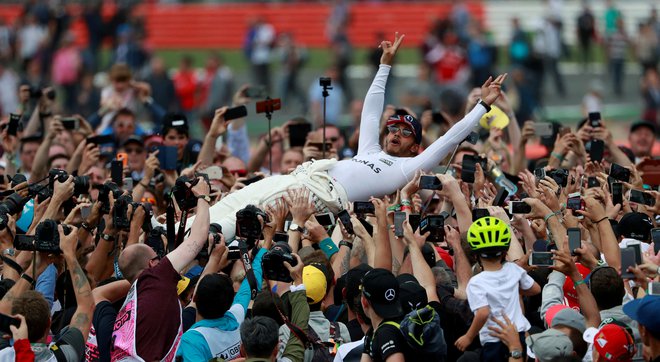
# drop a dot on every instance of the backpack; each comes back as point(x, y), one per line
point(422, 331)
point(324, 351)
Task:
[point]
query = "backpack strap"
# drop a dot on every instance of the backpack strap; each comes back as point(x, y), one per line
point(57, 352)
point(335, 332)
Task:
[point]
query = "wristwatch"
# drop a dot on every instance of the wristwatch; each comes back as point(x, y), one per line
point(107, 237)
point(296, 227)
point(9, 252)
point(206, 198)
point(481, 101)
point(346, 243)
point(516, 354)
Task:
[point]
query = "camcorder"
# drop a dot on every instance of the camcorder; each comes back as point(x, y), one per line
point(248, 226)
point(46, 238)
point(272, 262)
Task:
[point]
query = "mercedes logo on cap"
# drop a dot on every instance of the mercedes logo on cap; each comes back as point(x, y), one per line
point(390, 294)
point(408, 118)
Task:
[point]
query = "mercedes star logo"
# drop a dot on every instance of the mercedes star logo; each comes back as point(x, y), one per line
point(390, 294)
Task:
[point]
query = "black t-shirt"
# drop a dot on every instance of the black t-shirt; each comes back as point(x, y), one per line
point(103, 321)
point(355, 330)
point(189, 316)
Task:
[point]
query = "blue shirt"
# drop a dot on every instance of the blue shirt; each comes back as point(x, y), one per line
point(46, 284)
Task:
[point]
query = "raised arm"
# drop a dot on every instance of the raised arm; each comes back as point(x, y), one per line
point(82, 318)
point(218, 128)
point(375, 99)
point(432, 156)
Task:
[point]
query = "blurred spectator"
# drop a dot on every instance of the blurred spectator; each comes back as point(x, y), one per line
point(67, 65)
point(650, 90)
point(216, 85)
point(293, 58)
point(593, 100)
point(5, 41)
point(547, 43)
point(161, 85)
point(88, 96)
point(612, 16)
point(186, 86)
point(8, 90)
point(31, 38)
point(617, 49)
point(586, 33)
point(119, 94)
point(342, 55)
point(258, 46)
point(646, 46)
point(95, 31)
point(460, 18)
point(449, 61)
point(519, 46)
point(641, 139)
point(129, 50)
point(334, 102)
point(481, 53)
point(419, 92)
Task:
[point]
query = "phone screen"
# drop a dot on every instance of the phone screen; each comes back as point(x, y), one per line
point(325, 219)
point(627, 261)
point(85, 211)
point(414, 220)
point(236, 112)
point(501, 196)
point(363, 207)
point(541, 258)
point(592, 182)
point(655, 234)
point(574, 203)
point(619, 173)
point(117, 172)
point(637, 248)
point(298, 134)
point(574, 239)
point(519, 207)
point(594, 119)
point(345, 219)
point(596, 150)
point(617, 193)
point(399, 218)
point(427, 182)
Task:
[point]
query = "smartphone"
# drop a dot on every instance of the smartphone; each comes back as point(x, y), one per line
point(327, 219)
point(479, 213)
point(123, 157)
point(592, 182)
point(70, 123)
point(574, 239)
point(435, 225)
point(167, 156)
point(269, 105)
point(543, 129)
point(280, 237)
point(519, 207)
point(298, 134)
point(501, 196)
point(85, 211)
point(472, 138)
point(575, 202)
point(627, 261)
point(619, 173)
point(617, 193)
point(469, 167)
point(213, 172)
point(427, 182)
point(560, 176)
point(252, 180)
point(367, 226)
point(12, 126)
point(364, 207)
point(596, 150)
point(539, 174)
point(127, 183)
point(319, 146)
point(255, 92)
point(654, 288)
point(655, 236)
point(7, 321)
point(594, 119)
point(641, 197)
point(414, 220)
point(236, 112)
point(637, 248)
point(541, 258)
point(399, 218)
point(101, 140)
point(345, 219)
point(117, 172)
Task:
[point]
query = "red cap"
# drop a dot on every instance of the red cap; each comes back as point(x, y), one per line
point(613, 343)
point(552, 311)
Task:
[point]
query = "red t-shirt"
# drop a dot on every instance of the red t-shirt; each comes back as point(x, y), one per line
point(185, 85)
point(158, 311)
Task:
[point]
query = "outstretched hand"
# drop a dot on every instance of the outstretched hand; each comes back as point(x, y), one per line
point(390, 49)
point(491, 89)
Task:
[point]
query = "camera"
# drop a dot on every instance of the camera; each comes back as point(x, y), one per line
point(120, 212)
point(325, 82)
point(80, 183)
point(11, 205)
point(155, 242)
point(560, 176)
point(46, 238)
point(272, 262)
point(36, 93)
point(104, 195)
point(183, 194)
point(215, 230)
point(435, 224)
point(247, 224)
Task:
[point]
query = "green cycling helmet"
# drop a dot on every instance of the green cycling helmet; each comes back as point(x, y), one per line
point(489, 234)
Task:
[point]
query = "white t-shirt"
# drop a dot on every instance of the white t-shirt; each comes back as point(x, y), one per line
point(372, 172)
point(499, 290)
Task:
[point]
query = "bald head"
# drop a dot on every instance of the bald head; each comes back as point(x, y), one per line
point(135, 259)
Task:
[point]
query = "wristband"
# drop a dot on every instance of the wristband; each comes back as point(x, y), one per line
point(12, 264)
point(598, 222)
point(143, 185)
point(557, 156)
point(545, 219)
point(393, 207)
point(404, 208)
point(28, 278)
point(346, 243)
point(405, 203)
point(484, 104)
point(578, 282)
point(328, 247)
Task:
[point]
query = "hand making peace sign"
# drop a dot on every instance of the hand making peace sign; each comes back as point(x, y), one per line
point(389, 49)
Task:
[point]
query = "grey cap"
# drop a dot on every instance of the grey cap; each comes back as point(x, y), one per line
point(569, 317)
point(549, 345)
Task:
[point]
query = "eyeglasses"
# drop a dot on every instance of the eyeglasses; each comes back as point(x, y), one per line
point(134, 150)
point(404, 131)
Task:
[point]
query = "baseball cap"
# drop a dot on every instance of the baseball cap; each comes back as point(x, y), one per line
point(381, 289)
point(612, 341)
point(315, 283)
point(549, 345)
point(645, 312)
point(412, 295)
point(353, 280)
point(134, 139)
point(409, 121)
point(568, 317)
point(639, 124)
point(635, 225)
point(182, 285)
point(175, 120)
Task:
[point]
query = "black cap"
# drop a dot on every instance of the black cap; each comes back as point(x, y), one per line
point(177, 121)
point(134, 139)
point(412, 295)
point(381, 289)
point(635, 225)
point(650, 125)
point(353, 279)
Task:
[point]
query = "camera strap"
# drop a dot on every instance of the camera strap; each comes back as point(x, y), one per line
point(249, 272)
point(170, 223)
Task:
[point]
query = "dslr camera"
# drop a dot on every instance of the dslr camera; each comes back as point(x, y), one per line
point(104, 195)
point(12, 205)
point(247, 224)
point(155, 242)
point(272, 262)
point(183, 194)
point(80, 183)
point(120, 212)
point(46, 238)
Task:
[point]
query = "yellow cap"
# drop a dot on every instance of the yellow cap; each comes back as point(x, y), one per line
point(182, 285)
point(315, 284)
point(495, 118)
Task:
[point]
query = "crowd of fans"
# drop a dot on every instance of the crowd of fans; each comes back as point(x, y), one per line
point(422, 235)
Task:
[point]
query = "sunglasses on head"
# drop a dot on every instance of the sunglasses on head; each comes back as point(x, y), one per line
point(405, 132)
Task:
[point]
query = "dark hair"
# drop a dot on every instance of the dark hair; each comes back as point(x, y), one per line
point(57, 156)
point(607, 287)
point(214, 295)
point(580, 346)
point(32, 305)
point(123, 112)
point(266, 305)
point(259, 336)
